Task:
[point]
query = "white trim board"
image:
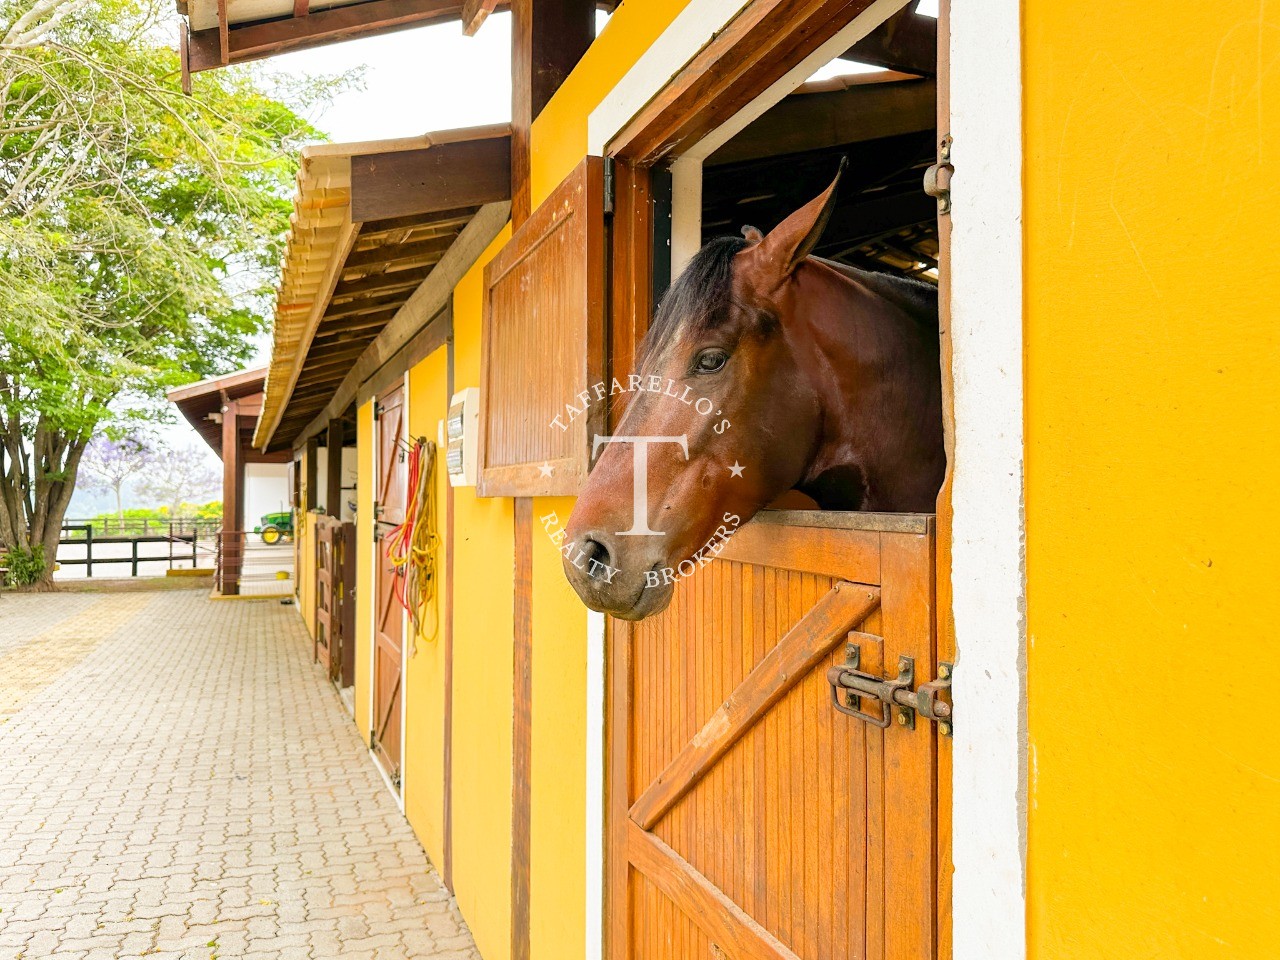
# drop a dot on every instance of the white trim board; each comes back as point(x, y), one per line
point(988, 571)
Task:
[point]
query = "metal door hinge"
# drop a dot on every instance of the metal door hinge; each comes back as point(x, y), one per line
point(937, 179)
point(608, 185)
point(898, 702)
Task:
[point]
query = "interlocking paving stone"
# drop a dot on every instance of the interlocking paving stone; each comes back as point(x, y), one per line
point(180, 782)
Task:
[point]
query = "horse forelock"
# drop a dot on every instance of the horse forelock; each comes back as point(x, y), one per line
point(698, 300)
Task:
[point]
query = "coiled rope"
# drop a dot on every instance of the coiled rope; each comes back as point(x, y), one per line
point(412, 546)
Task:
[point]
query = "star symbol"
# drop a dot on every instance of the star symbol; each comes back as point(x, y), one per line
point(736, 469)
point(545, 469)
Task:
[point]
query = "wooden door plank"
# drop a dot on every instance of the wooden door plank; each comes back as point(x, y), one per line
point(730, 930)
point(907, 617)
point(843, 607)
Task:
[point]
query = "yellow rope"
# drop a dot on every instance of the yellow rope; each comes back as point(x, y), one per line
point(412, 546)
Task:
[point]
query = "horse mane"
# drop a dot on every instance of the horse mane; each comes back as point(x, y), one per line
point(917, 298)
point(699, 298)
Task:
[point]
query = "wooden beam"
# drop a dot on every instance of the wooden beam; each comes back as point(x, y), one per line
point(806, 644)
point(522, 732)
point(474, 14)
point(257, 40)
point(333, 471)
point(427, 301)
point(547, 41)
point(906, 41)
point(440, 177)
point(731, 70)
point(733, 931)
point(232, 500)
point(380, 284)
point(815, 121)
point(224, 29)
point(398, 252)
point(301, 7)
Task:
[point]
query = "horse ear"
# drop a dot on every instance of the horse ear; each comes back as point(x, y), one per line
point(791, 241)
point(752, 234)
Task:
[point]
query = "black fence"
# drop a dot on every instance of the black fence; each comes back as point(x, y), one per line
point(181, 541)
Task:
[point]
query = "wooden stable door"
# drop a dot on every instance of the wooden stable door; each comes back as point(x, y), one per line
point(749, 818)
point(388, 633)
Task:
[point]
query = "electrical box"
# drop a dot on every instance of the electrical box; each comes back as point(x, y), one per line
point(461, 436)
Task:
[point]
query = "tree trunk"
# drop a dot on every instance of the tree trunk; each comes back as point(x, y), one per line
point(119, 502)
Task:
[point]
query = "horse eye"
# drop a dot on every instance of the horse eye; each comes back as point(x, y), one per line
point(709, 361)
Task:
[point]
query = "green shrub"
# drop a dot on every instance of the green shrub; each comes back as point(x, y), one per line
point(25, 566)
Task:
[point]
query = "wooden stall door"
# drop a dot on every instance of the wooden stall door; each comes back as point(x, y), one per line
point(328, 620)
point(749, 818)
point(388, 701)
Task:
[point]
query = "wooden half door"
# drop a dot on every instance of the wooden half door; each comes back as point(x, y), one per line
point(389, 614)
point(328, 622)
point(748, 817)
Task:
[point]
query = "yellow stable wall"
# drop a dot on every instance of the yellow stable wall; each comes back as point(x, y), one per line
point(305, 567)
point(364, 566)
point(483, 577)
point(559, 135)
point(1152, 378)
point(558, 776)
point(425, 668)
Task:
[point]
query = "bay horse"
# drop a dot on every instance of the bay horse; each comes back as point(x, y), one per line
point(765, 370)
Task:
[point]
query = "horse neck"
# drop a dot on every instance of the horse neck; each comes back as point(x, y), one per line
point(875, 374)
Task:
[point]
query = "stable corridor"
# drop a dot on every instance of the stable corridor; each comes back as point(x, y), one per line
point(179, 781)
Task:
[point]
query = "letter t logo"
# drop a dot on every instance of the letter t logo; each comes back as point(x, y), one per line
point(640, 478)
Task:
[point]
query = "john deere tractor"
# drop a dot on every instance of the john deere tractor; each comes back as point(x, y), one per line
point(275, 527)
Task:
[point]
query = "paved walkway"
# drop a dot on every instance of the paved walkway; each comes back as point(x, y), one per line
point(177, 781)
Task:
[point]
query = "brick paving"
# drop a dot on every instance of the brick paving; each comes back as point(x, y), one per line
point(178, 781)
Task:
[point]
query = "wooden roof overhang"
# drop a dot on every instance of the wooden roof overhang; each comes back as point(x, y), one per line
point(201, 403)
point(222, 32)
point(381, 231)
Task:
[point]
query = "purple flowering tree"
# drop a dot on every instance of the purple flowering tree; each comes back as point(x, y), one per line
point(108, 464)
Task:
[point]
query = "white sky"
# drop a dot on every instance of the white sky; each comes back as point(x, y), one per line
point(415, 81)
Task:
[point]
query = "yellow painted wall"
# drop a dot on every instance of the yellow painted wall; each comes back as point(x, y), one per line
point(364, 566)
point(483, 563)
point(560, 131)
point(1152, 375)
point(305, 567)
point(557, 854)
point(424, 676)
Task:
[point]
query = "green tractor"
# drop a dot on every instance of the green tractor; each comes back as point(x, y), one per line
point(275, 527)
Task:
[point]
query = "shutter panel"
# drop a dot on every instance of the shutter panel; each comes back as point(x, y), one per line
point(543, 344)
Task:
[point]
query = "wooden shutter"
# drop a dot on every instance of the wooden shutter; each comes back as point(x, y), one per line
point(543, 343)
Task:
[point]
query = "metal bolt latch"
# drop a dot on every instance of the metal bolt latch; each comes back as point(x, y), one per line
point(898, 701)
point(937, 179)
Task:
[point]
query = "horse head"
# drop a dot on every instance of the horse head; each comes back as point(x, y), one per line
point(720, 422)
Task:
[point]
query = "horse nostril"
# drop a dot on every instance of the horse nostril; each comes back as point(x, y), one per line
point(597, 551)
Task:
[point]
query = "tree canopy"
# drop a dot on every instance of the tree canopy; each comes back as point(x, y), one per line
point(140, 232)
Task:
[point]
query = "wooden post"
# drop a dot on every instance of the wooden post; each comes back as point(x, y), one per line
point(232, 476)
point(333, 486)
point(547, 41)
point(310, 495)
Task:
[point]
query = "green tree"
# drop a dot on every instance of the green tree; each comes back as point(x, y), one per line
point(140, 233)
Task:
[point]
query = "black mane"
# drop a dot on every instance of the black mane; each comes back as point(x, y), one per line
point(699, 297)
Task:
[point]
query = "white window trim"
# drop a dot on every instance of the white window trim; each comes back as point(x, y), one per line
point(989, 771)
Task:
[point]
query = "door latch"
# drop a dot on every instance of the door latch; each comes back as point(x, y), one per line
point(897, 700)
point(937, 179)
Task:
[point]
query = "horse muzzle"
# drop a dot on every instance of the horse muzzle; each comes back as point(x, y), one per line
point(608, 580)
